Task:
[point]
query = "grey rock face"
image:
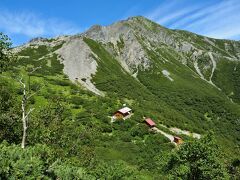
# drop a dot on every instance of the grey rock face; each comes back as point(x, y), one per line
point(78, 62)
point(128, 41)
point(131, 55)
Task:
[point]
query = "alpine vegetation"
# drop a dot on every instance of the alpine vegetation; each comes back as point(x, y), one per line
point(132, 100)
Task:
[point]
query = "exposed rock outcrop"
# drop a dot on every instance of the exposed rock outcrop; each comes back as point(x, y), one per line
point(78, 62)
point(130, 42)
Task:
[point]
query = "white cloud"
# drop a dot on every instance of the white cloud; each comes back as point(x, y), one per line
point(215, 14)
point(164, 8)
point(32, 25)
point(219, 19)
point(173, 16)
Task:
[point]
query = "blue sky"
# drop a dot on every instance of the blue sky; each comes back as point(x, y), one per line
point(23, 20)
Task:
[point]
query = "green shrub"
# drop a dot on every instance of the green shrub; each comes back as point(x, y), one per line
point(139, 130)
point(18, 163)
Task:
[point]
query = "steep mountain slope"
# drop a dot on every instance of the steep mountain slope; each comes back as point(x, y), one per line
point(178, 78)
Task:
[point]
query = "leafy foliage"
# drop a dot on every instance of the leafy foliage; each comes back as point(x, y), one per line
point(18, 163)
point(6, 57)
point(200, 159)
point(70, 132)
point(9, 114)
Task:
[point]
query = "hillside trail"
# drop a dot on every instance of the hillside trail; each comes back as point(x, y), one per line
point(180, 131)
point(169, 136)
point(188, 133)
point(176, 131)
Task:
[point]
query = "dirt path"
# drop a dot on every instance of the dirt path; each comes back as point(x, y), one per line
point(180, 131)
point(169, 136)
point(188, 133)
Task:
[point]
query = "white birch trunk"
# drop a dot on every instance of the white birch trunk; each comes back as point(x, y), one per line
point(24, 115)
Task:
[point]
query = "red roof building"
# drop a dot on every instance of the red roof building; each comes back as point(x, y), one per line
point(150, 122)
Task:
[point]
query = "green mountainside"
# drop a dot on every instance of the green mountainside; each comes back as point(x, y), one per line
point(177, 78)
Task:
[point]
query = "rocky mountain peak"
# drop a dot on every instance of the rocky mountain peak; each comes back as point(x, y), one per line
point(134, 43)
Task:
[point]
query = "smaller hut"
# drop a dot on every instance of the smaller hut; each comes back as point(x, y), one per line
point(177, 140)
point(150, 122)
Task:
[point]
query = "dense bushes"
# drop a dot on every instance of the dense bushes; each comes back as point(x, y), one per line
point(37, 162)
point(70, 132)
point(114, 170)
point(140, 130)
point(10, 115)
point(18, 163)
point(200, 159)
point(65, 170)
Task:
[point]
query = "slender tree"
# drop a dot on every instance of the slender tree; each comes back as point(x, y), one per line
point(25, 99)
point(25, 113)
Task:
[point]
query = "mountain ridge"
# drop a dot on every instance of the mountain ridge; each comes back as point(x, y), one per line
point(186, 83)
point(127, 41)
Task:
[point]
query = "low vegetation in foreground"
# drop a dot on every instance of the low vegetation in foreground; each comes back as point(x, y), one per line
point(69, 131)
